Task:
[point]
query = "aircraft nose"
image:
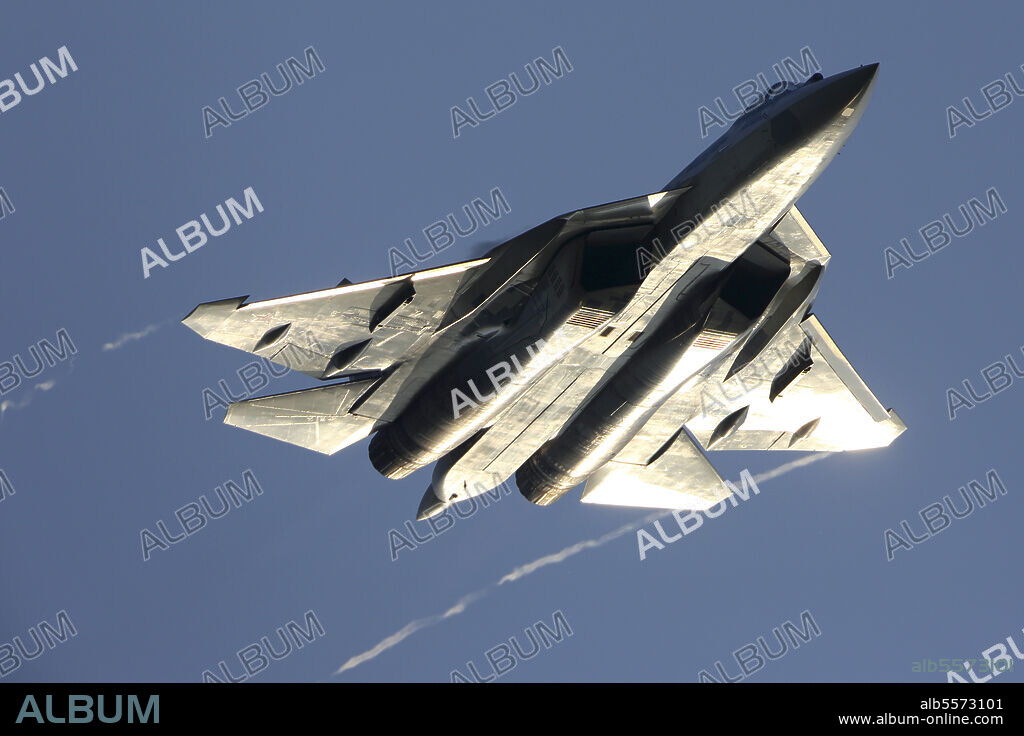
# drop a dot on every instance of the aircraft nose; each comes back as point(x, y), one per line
point(848, 89)
point(833, 104)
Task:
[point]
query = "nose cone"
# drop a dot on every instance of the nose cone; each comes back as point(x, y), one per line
point(849, 89)
point(825, 112)
point(832, 105)
point(430, 505)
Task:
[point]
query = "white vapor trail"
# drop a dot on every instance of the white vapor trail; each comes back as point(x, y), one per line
point(524, 570)
point(553, 559)
point(411, 628)
point(8, 404)
point(131, 337)
point(792, 465)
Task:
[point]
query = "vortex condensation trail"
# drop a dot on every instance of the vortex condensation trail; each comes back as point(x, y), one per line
point(530, 567)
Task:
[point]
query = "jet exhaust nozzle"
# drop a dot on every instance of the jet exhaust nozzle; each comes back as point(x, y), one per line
point(390, 456)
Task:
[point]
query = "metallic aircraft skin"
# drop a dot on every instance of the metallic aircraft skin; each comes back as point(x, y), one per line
point(610, 346)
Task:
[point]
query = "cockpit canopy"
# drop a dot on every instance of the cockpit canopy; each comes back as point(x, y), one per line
point(778, 89)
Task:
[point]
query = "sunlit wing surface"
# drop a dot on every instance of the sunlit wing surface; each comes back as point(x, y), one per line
point(676, 475)
point(796, 391)
point(351, 328)
point(814, 401)
point(317, 419)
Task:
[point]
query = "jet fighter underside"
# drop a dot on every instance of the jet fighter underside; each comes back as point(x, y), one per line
point(612, 346)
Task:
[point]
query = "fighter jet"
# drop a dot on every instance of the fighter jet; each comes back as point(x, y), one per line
point(612, 346)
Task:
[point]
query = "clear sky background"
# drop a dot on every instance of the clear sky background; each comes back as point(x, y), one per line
point(361, 157)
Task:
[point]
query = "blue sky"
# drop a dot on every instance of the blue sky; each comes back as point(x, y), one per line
point(98, 447)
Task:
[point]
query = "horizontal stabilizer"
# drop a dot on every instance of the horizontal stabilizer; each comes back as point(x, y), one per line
point(317, 419)
point(679, 477)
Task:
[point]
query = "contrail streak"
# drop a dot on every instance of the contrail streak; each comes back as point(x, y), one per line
point(553, 559)
point(557, 557)
point(411, 628)
point(131, 337)
point(9, 404)
point(792, 465)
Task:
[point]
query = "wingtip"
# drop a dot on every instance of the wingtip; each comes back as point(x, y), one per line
point(233, 414)
point(207, 316)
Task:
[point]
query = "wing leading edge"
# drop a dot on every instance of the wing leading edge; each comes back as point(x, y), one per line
point(350, 328)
